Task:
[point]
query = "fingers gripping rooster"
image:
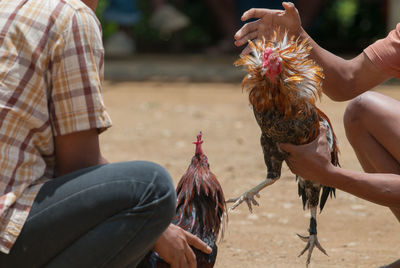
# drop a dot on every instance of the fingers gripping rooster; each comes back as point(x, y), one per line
point(284, 85)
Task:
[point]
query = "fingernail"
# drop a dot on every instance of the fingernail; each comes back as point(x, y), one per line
point(209, 249)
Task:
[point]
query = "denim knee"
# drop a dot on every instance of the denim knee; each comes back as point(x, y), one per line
point(160, 193)
point(165, 190)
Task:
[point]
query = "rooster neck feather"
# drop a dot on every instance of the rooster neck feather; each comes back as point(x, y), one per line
point(296, 87)
point(201, 205)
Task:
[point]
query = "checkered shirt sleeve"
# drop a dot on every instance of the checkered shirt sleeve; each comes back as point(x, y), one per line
point(51, 73)
point(76, 77)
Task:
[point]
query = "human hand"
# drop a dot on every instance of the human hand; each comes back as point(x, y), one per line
point(268, 20)
point(310, 161)
point(174, 247)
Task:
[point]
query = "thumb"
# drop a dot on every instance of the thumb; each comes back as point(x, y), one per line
point(290, 9)
point(287, 147)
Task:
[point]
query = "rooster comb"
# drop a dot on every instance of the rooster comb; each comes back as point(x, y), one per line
point(198, 143)
point(282, 62)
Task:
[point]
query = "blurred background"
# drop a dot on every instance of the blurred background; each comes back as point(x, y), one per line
point(153, 34)
point(169, 74)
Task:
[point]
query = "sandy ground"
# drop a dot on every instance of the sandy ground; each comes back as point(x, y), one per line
point(158, 122)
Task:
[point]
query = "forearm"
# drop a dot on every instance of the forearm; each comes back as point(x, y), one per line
point(382, 189)
point(344, 79)
point(338, 83)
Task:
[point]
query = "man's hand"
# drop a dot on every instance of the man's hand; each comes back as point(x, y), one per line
point(174, 247)
point(310, 161)
point(268, 20)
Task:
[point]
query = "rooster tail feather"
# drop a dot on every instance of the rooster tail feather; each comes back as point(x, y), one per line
point(302, 192)
point(201, 207)
point(326, 191)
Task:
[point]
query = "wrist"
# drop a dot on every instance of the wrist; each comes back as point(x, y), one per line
point(301, 33)
point(327, 175)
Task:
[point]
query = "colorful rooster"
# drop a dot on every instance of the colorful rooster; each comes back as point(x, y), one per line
point(284, 85)
point(200, 208)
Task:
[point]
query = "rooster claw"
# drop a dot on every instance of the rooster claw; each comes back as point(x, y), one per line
point(312, 241)
point(247, 197)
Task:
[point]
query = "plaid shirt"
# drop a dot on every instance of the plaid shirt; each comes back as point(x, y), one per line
point(51, 71)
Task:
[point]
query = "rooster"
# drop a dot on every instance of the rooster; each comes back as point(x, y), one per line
point(284, 85)
point(200, 209)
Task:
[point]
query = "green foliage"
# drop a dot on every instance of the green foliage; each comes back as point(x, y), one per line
point(350, 25)
point(342, 26)
point(346, 10)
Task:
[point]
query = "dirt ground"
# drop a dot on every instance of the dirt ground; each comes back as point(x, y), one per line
point(159, 121)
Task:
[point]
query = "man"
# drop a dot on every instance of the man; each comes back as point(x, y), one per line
point(372, 121)
point(61, 203)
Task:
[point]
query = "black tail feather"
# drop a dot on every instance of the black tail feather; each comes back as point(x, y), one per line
point(326, 191)
point(302, 192)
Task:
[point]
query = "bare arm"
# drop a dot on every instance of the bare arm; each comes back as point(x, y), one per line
point(77, 150)
point(382, 189)
point(344, 79)
point(312, 161)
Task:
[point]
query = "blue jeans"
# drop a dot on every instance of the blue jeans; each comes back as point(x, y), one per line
point(103, 216)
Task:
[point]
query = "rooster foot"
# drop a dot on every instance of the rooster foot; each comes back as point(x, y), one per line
point(247, 197)
point(311, 241)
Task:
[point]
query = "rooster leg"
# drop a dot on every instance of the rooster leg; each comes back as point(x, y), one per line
point(249, 196)
point(312, 240)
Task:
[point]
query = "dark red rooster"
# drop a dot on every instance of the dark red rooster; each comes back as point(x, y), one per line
point(200, 208)
point(283, 85)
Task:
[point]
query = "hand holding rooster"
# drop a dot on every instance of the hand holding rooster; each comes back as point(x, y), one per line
point(174, 247)
point(371, 115)
point(268, 21)
point(344, 79)
point(371, 120)
point(310, 160)
point(191, 238)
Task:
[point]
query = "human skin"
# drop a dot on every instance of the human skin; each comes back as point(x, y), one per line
point(91, 3)
point(344, 80)
point(174, 244)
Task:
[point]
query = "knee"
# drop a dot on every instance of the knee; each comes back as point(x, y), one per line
point(356, 112)
point(164, 191)
point(160, 192)
point(145, 186)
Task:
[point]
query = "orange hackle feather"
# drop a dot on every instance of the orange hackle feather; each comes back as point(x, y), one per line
point(299, 84)
point(284, 85)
